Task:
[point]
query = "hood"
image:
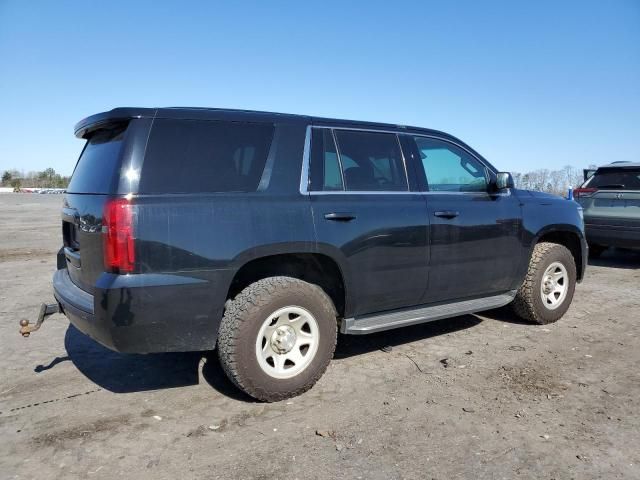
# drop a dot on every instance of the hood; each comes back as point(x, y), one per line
point(543, 195)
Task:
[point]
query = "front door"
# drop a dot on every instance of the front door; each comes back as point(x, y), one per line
point(362, 207)
point(475, 235)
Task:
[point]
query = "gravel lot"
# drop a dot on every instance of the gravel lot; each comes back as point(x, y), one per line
point(478, 396)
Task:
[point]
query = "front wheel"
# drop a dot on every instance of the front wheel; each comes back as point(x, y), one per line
point(277, 337)
point(548, 288)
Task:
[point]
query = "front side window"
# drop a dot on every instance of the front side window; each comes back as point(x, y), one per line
point(371, 161)
point(449, 168)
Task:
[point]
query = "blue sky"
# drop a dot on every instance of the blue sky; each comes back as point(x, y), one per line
point(528, 84)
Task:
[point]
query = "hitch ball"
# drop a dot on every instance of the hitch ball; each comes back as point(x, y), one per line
point(24, 323)
point(45, 310)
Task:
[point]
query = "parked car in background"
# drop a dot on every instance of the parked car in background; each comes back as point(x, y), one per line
point(610, 200)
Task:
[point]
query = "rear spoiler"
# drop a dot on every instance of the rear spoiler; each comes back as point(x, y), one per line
point(99, 120)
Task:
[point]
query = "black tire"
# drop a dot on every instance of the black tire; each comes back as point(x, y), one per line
point(596, 250)
point(528, 303)
point(245, 315)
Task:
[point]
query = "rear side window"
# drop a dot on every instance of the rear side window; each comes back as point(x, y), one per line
point(615, 179)
point(193, 156)
point(97, 170)
point(371, 161)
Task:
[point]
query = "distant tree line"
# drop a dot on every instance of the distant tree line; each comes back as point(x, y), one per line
point(557, 182)
point(544, 180)
point(47, 178)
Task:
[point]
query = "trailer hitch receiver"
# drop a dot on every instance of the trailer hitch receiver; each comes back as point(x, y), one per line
point(45, 310)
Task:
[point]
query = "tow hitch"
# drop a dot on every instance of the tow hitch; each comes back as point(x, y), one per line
point(45, 311)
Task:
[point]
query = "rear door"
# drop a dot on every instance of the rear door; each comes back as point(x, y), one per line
point(475, 236)
point(363, 208)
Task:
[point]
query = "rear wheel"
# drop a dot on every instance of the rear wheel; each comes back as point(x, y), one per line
point(277, 337)
point(548, 288)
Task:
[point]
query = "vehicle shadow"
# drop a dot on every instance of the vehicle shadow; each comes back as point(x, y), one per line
point(353, 345)
point(617, 258)
point(126, 373)
point(505, 314)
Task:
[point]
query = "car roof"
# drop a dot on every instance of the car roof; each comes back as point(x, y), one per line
point(199, 113)
point(621, 165)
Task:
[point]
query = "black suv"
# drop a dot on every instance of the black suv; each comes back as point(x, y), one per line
point(264, 234)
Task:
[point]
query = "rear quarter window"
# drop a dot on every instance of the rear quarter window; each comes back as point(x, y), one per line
point(97, 170)
point(194, 156)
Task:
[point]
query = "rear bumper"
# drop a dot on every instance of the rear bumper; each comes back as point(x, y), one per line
point(613, 236)
point(145, 313)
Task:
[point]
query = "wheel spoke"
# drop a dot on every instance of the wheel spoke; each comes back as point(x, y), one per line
point(304, 335)
point(278, 362)
point(266, 351)
point(295, 356)
point(268, 331)
point(283, 319)
point(298, 322)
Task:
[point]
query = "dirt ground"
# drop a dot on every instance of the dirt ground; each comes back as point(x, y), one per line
point(478, 396)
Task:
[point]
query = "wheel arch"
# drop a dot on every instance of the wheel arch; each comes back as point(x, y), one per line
point(570, 237)
point(303, 263)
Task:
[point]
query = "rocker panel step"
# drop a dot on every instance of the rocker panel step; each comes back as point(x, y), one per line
point(401, 318)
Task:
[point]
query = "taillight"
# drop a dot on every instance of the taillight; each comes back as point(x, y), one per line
point(584, 192)
point(117, 236)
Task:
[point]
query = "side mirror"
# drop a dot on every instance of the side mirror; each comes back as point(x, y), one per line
point(504, 180)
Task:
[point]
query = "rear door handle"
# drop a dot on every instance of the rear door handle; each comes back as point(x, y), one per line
point(340, 216)
point(446, 214)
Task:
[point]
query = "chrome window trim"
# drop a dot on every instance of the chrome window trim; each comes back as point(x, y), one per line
point(404, 162)
point(304, 178)
point(339, 155)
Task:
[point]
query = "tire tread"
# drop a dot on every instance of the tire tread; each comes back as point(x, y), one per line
point(523, 304)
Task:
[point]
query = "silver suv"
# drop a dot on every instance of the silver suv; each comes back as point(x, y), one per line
point(610, 199)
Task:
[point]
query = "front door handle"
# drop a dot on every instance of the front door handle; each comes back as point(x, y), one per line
point(340, 216)
point(446, 214)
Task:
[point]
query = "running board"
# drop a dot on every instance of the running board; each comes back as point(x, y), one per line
point(402, 318)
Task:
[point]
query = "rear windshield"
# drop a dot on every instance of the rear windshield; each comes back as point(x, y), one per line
point(98, 167)
point(616, 178)
point(195, 156)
